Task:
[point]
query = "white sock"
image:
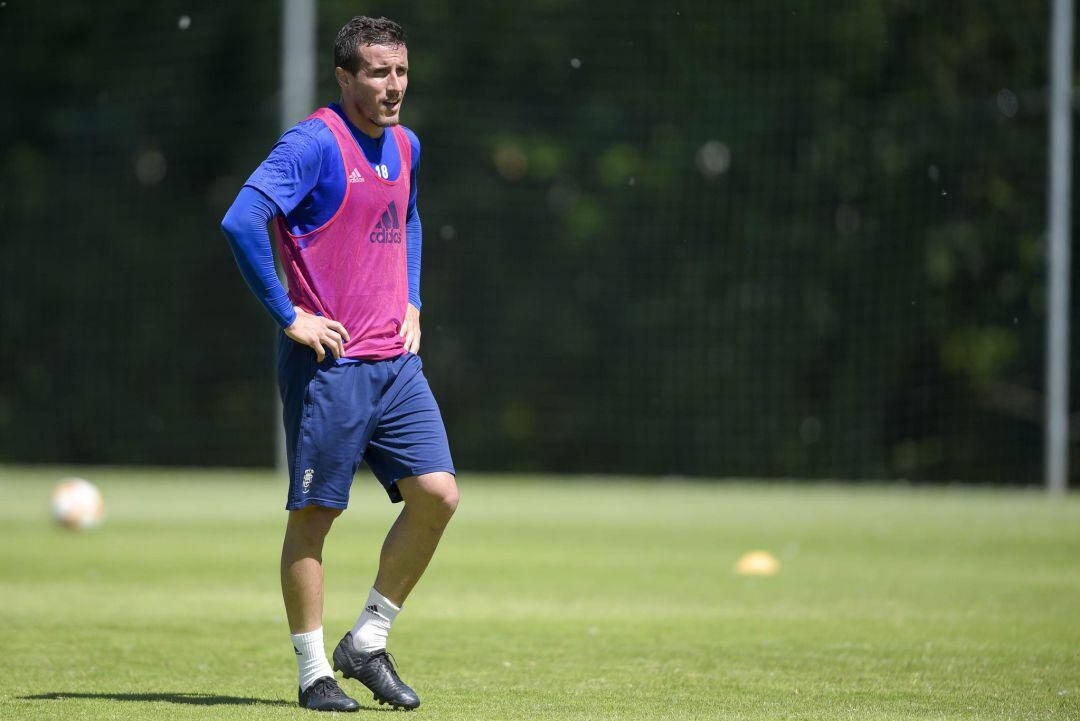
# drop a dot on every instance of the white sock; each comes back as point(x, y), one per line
point(371, 629)
point(311, 657)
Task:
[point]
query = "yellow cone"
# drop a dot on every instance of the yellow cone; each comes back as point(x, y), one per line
point(757, 563)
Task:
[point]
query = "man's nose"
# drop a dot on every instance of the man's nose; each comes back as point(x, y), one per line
point(394, 83)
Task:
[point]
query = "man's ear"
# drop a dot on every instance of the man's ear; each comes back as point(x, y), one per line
point(343, 78)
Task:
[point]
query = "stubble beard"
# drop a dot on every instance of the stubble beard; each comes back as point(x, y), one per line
point(384, 122)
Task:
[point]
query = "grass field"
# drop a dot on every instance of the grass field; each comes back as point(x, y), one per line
point(555, 599)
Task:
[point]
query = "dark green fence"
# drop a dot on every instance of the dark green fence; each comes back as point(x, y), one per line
point(767, 239)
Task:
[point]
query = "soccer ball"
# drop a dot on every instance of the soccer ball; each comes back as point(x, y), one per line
point(77, 504)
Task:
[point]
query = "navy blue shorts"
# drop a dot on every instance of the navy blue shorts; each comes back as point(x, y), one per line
point(340, 414)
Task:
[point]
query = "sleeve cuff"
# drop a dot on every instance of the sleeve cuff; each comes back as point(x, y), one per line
point(269, 193)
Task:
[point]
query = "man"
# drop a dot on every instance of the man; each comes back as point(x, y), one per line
point(351, 383)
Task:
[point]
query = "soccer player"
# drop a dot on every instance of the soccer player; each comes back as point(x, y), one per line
point(340, 188)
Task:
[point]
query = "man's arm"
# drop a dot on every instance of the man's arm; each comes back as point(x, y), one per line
point(413, 231)
point(410, 326)
point(280, 182)
point(244, 226)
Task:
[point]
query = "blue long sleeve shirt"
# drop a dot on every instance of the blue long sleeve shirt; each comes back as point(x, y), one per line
point(304, 180)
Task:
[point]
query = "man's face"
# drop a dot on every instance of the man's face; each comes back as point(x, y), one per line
point(377, 89)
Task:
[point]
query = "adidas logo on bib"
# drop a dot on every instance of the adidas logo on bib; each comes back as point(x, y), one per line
point(355, 177)
point(388, 229)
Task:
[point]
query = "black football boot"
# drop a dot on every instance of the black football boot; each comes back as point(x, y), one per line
point(326, 695)
point(376, 671)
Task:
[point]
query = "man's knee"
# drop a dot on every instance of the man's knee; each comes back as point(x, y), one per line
point(433, 493)
point(448, 496)
point(311, 523)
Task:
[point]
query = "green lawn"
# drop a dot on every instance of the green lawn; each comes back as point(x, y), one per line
point(555, 598)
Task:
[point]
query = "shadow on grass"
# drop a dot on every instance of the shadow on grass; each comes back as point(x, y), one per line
point(191, 699)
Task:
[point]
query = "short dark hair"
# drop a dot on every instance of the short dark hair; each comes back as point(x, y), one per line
point(362, 30)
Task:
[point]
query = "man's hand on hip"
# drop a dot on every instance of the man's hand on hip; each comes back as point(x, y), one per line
point(410, 329)
point(315, 331)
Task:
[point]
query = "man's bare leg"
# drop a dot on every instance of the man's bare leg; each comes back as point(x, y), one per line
point(301, 566)
point(430, 501)
point(302, 590)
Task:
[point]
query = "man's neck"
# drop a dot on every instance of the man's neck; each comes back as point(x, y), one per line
point(365, 126)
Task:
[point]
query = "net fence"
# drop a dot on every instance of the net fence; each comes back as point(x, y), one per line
point(708, 239)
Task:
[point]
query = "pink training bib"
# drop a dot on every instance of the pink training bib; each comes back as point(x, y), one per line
point(352, 269)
